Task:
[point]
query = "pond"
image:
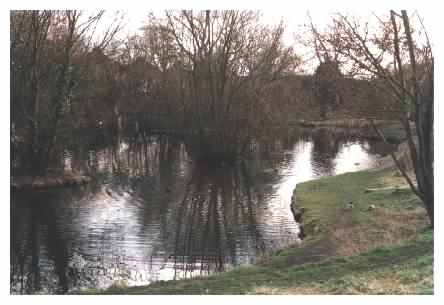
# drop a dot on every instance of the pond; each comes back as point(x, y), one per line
point(152, 213)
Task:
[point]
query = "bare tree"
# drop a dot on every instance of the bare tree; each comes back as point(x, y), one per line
point(402, 58)
point(43, 44)
point(328, 79)
point(230, 60)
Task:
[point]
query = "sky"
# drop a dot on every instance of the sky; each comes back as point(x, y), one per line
point(294, 19)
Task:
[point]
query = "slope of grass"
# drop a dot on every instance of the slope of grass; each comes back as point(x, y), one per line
point(386, 214)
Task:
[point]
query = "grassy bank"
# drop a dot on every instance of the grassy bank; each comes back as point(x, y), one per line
point(378, 246)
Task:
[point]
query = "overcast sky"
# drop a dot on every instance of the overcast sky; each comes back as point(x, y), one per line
point(293, 18)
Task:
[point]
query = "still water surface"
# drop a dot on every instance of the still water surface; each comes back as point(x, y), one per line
point(152, 214)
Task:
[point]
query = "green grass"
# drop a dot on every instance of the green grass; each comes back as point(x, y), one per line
point(402, 269)
point(397, 214)
point(386, 250)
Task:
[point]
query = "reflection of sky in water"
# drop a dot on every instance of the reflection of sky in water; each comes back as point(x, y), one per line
point(113, 234)
point(156, 223)
point(299, 170)
point(351, 157)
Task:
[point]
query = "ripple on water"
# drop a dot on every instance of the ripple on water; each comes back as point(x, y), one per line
point(147, 218)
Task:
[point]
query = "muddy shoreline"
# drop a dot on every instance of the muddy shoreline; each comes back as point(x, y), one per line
point(49, 181)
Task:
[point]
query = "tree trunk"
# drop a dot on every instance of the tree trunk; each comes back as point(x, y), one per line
point(424, 125)
point(423, 106)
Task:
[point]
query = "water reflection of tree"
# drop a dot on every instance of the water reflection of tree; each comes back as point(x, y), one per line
point(209, 229)
point(207, 216)
point(325, 148)
point(39, 248)
point(270, 155)
point(38, 228)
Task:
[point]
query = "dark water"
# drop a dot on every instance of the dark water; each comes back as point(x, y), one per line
point(152, 214)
